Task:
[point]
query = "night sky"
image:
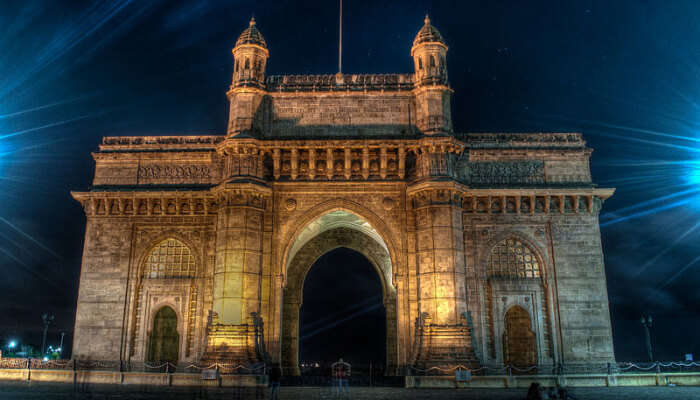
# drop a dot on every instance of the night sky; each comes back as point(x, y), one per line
point(624, 73)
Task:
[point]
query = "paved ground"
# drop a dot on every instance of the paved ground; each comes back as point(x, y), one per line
point(39, 391)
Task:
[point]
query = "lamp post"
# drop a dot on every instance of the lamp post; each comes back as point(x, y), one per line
point(46, 318)
point(646, 322)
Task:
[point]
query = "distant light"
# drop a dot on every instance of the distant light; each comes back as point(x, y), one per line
point(13, 344)
point(46, 358)
point(58, 349)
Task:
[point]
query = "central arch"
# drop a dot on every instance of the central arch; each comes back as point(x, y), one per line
point(316, 240)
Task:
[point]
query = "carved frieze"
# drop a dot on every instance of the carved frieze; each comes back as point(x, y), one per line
point(174, 172)
point(504, 172)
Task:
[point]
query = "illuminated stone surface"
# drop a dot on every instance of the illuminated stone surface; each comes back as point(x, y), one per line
point(370, 162)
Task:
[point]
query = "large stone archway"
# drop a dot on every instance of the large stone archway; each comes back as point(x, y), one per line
point(299, 266)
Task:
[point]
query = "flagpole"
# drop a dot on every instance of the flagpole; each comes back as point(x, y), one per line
point(340, 40)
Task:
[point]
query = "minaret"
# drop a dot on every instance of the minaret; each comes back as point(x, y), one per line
point(248, 86)
point(433, 93)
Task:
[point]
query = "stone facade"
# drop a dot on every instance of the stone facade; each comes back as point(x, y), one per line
point(487, 245)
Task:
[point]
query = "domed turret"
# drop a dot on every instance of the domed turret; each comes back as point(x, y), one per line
point(248, 87)
point(250, 58)
point(432, 90)
point(428, 52)
point(427, 34)
point(251, 36)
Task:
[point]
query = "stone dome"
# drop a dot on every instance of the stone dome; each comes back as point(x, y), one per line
point(251, 36)
point(428, 33)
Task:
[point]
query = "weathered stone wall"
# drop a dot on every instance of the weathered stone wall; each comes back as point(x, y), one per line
point(156, 168)
point(581, 289)
point(338, 115)
point(99, 320)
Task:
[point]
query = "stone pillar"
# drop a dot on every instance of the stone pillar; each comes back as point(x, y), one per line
point(312, 163)
point(347, 164)
point(241, 200)
point(445, 336)
point(294, 163)
point(329, 163)
point(237, 272)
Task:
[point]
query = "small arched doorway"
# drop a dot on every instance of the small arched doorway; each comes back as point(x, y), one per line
point(164, 340)
point(518, 339)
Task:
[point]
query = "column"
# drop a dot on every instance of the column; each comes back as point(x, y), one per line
point(312, 163)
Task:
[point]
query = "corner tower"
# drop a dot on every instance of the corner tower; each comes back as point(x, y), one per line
point(432, 90)
point(248, 86)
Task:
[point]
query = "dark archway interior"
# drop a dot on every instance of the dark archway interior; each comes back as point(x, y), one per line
point(342, 314)
point(164, 339)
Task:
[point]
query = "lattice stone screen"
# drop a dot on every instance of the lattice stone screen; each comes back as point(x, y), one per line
point(511, 258)
point(169, 259)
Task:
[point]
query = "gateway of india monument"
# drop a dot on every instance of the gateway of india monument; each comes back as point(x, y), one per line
point(487, 244)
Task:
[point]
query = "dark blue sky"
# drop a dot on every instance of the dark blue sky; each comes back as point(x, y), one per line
point(625, 73)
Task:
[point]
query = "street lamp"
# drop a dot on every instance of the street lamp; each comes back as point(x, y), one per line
point(646, 322)
point(46, 319)
point(12, 344)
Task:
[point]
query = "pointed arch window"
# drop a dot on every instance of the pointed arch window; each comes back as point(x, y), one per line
point(420, 63)
point(432, 61)
point(170, 259)
point(247, 63)
point(511, 258)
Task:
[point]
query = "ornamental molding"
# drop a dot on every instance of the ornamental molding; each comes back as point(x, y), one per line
point(133, 204)
point(504, 172)
point(507, 201)
point(174, 171)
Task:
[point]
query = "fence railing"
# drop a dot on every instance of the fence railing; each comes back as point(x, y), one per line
point(563, 369)
point(261, 368)
point(158, 366)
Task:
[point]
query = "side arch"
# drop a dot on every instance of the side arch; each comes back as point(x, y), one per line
point(519, 345)
point(149, 294)
point(533, 294)
point(164, 336)
point(145, 250)
point(535, 248)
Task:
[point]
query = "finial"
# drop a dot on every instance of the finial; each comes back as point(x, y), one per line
point(427, 19)
point(252, 21)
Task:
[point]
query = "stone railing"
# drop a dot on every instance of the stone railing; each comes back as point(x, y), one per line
point(520, 140)
point(157, 142)
point(346, 82)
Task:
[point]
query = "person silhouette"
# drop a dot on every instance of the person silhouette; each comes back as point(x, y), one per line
point(341, 373)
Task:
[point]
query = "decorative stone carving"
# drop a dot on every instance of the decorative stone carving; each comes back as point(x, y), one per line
point(290, 204)
point(505, 172)
point(174, 171)
point(388, 203)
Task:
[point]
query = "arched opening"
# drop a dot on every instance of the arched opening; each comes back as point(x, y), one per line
point(335, 228)
point(518, 338)
point(342, 314)
point(164, 340)
point(518, 303)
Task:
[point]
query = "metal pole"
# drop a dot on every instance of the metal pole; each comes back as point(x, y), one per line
point(646, 322)
point(46, 318)
point(340, 40)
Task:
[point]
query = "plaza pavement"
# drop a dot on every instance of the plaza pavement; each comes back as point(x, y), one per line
point(42, 391)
